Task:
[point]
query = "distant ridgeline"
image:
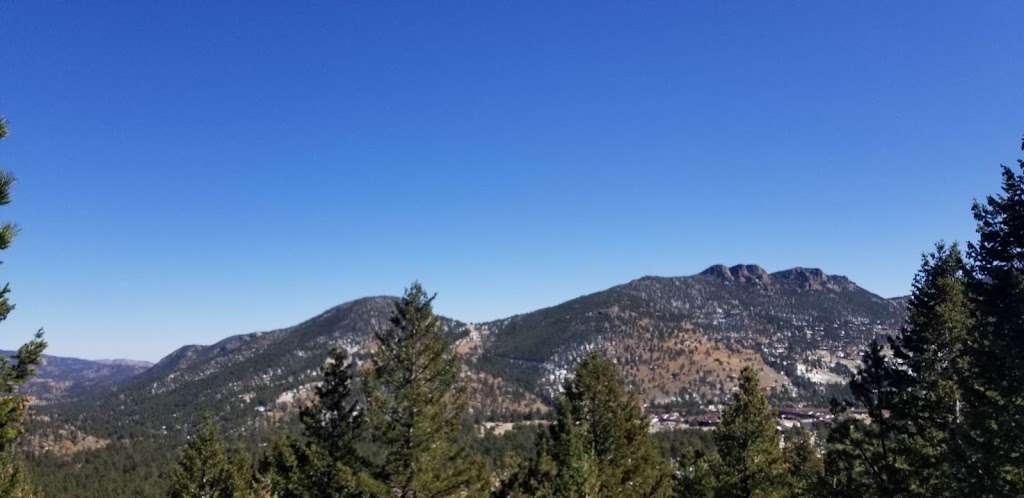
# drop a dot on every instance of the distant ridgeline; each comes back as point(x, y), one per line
point(59, 378)
point(680, 342)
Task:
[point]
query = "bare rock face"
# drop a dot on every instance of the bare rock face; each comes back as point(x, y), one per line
point(739, 273)
point(813, 279)
point(799, 277)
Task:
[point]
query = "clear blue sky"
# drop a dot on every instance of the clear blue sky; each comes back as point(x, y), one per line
point(191, 170)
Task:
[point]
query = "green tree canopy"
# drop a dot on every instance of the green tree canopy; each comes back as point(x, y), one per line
point(13, 371)
point(994, 388)
point(748, 444)
point(207, 468)
point(416, 411)
point(599, 444)
point(334, 421)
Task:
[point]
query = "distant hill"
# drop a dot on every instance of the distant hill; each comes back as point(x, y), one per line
point(256, 379)
point(59, 378)
point(680, 341)
point(686, 338)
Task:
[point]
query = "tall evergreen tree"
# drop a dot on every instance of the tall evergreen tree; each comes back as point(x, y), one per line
point(416, 409)
point(207, 468)
point(302, 469)
point(752, 464)
point(599, 444)
point(697, 474)
point(994, 390)
point(861, 458)
point(804, 466)
point(579, 467)
point(13, 371)
point(533, 478)
point(334, 422)
point(329, 463)
point(285, 472)
point(908, 446)
point(931, 366)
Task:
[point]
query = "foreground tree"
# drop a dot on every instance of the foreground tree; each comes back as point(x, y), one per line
point(207, 468)
point(748, 444)
point(13, 371)
point(329, 462)
point(299, 469)
point(931, 367)
point(862, 457)
point(599, 444)
point(415, 408)
point(748, 460)
point(909, 444)
point(334, 421)
point(13, 481)
point(994, 389)
point(805, 468)
point(697, 474)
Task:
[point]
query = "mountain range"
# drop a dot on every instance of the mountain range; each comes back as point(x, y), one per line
point(680, 341)
point(58, 378)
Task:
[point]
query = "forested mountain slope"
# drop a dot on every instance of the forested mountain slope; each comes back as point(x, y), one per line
point(678, 340)
point(687, 337)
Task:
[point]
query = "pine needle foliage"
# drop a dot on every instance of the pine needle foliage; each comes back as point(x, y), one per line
point(14, 371)
point(599, 444)
point(994, 388)
point(208, 468)
point(748, 444)
point(416, 410)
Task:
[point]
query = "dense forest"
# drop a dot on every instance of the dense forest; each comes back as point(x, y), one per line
point(936, 410)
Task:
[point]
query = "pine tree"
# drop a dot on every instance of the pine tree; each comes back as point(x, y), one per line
point(599, 444)
point(13, 371)
point(207, 468)
point(804, 466)
point(697, 474)
point(334, 421)
point(329, 462)
point(994, 390)
point(296, 469)
point(416, 409)
point(748, 444)
point(579, 468)
point(931, 367)
point(13, 481)
point(861, 456)
point(286, 471)
point(909, 445)
point(912, 397)
point(536, 477)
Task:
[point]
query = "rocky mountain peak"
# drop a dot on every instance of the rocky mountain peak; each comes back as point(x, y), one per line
point(739, 273)
point(813, 279)
point(798, 277)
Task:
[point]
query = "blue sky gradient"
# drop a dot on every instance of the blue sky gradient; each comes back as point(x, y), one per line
point(189, 171)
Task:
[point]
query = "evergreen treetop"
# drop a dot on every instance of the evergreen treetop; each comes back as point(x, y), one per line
point(334, 421)
point(599, 444)
point(748, 444)
point(207, 468)
point(994, 388)
point(416, 410)
point(13, 371)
